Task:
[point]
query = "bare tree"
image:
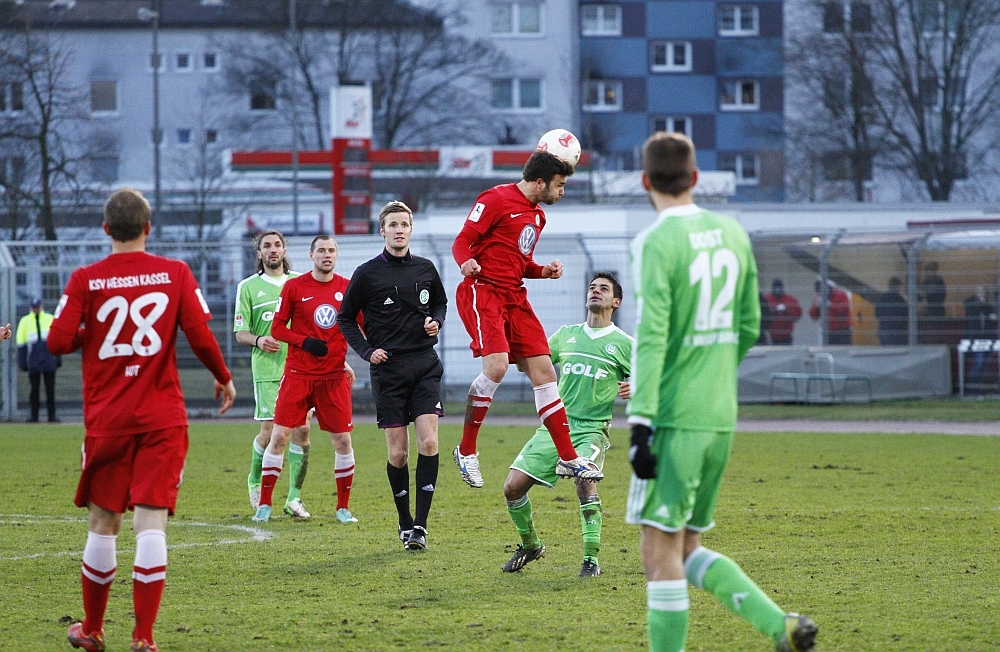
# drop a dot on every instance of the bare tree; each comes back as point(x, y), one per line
point(833, 134)
point(45, 131)
point(432, 85)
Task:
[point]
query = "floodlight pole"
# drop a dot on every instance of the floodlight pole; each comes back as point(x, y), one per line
point(824, 274)
point(295, 117)
point(153, 16)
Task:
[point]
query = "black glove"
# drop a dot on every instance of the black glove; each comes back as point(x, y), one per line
point(315, 346)
point(642, 459)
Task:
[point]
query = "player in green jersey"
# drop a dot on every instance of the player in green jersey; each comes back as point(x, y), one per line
point(698, 314)
point(256, 301)
point(593, 359)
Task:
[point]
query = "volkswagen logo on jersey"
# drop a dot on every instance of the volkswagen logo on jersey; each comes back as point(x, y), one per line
point(325, 316)
point(425, 296)
point(526, 241)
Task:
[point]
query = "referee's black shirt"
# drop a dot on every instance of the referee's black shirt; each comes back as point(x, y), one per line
point(395, 294)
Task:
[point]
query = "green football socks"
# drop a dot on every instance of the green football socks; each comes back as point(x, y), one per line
point(667, 618)
point(723, 578)
point(520, 513)
point(256, 461)
point(591, 516)
point(298, 464)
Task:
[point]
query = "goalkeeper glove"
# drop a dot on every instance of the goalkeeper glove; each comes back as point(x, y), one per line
point(642, 459)
point(315, 346)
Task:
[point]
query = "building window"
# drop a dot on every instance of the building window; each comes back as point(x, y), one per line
point(838, 166)
point(601, 20)
point(516, 18)
point(517, 94)
point(746, 167)
point(209, 61)
point(861, 17)
point(739, 20)
point(671, 56)
point(263, 96)
point(104, 169)
point(833, 17)
point(935, 96)
point(837, 16)
point(157, 62)
point(103, 97)
point(182, 62)
point(183, 136)
point(602, 95)
point(740, 95)
point(211, 136)
point(11, 97)
point(12, 170)
point(672, 124)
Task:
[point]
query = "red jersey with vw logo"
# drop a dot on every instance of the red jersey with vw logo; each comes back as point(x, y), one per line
point(309, 308)
point(500, 233)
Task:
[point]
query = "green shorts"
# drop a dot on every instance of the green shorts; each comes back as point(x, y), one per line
point(265, 395)
point(539, 457)
point(689, 472)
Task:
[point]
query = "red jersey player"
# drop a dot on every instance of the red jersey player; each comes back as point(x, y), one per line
point(124, 311)
point(494, 250)
point(316, 373)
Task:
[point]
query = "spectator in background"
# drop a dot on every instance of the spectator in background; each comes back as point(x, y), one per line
point(766, 317)
point(933, 291)
point(980, 324)
point(892, 314)
point(785, 311)
point(838, 314)
point(32, 330)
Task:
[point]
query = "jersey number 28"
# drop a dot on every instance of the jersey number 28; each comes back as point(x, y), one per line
point(712, 315)
point(144, 325)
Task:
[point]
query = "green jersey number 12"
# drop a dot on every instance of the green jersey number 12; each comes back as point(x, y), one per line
point(714, 315)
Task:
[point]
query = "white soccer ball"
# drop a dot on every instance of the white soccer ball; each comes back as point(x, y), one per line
point(562, 144)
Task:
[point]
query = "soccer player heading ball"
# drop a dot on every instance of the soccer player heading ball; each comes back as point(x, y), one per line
point(698, 314)
point(494, 250)
point(124, 312)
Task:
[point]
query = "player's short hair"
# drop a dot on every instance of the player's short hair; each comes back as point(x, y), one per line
point(545, 166)
point(393, 207)
point(126, 213)
point(321, 236)
point(668, 159)
point(287, 266)
point(615, 285)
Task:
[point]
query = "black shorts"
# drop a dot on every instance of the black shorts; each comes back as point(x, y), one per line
point(406, 387)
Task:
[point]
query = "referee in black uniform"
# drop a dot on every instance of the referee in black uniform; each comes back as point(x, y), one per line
point(404, 305)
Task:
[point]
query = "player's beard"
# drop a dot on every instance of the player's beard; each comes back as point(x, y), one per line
point(275, 265)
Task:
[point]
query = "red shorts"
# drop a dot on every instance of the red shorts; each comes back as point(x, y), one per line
point(330, 397)
point(118, 473)
point(500, 321)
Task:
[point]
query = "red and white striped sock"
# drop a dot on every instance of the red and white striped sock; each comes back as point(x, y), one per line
point(97, 573)
point(270, 470)
point(343, 471)
point(553, 415)
point(149, 575)
point(476, 406)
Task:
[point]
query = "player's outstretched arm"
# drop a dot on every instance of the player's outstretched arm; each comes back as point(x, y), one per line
point(228, 394)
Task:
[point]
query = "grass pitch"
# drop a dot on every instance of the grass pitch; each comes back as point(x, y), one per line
point(890, 542)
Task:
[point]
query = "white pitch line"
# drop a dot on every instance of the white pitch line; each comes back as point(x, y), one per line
point(255, 535)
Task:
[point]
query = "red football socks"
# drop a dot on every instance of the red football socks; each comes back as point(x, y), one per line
point(149, 575)
point(476, 408)
point(270, 471)
point(343, 471)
